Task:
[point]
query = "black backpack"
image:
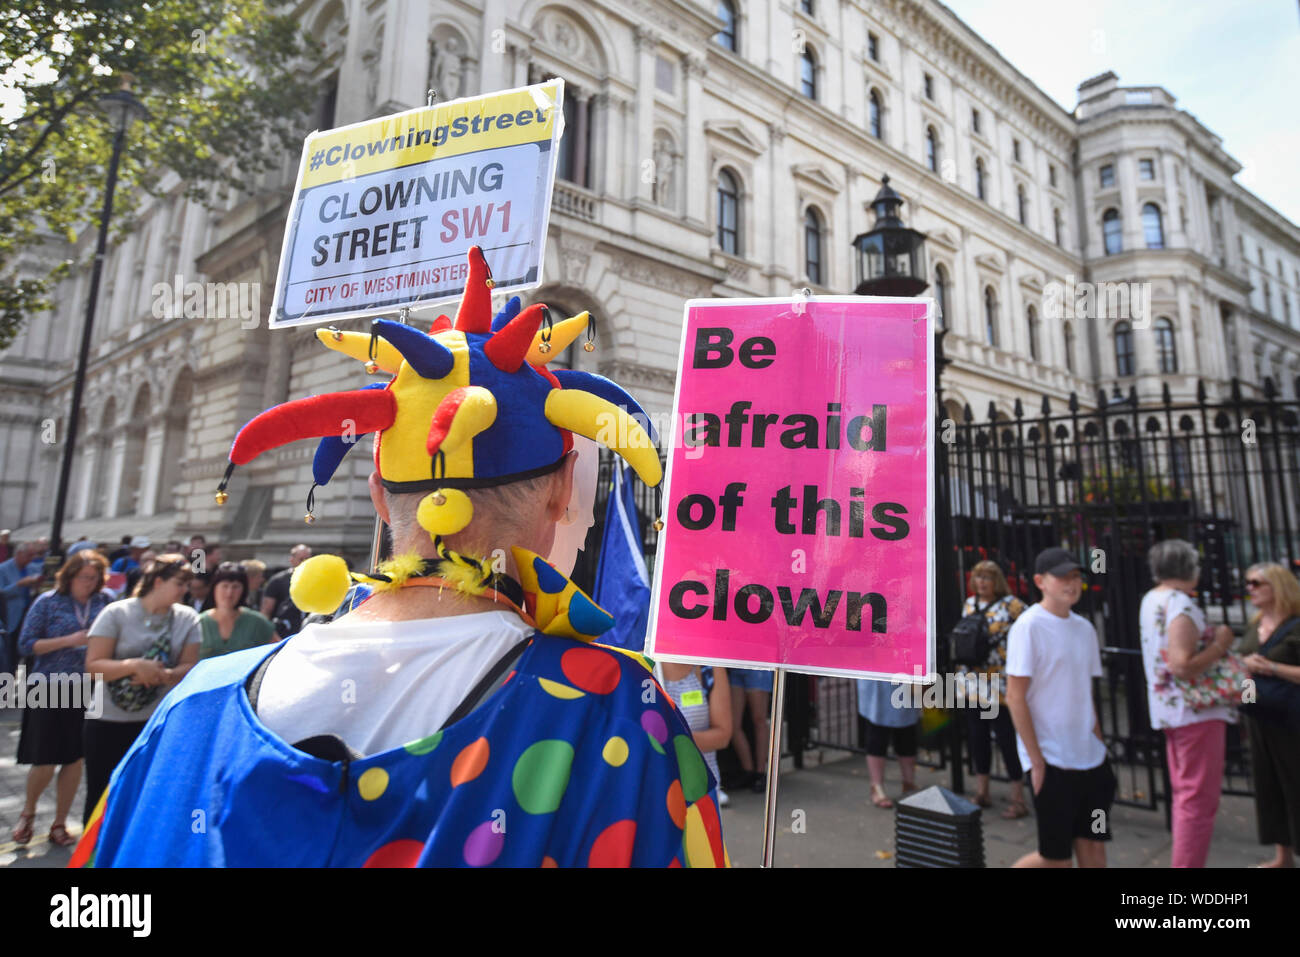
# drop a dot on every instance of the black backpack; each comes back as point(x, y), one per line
point(970, 639)
point(288, 618)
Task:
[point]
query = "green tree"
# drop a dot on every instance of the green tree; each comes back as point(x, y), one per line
point(225, 83)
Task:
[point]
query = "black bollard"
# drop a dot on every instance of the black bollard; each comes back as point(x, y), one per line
point(936, 828)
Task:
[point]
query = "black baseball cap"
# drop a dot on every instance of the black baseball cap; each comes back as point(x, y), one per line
point(1055, 561)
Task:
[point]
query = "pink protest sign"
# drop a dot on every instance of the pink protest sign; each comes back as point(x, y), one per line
point(797, 511)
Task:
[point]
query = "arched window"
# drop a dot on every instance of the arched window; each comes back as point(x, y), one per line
point(1112, 231)
point(1166, 350)
point(727, 36)
point(874, 115)
point(132, 481)
point(932, 149)
point(1033, 333)
point(728, 213)
point(175, 441)
point(1069, 347)
point(812, 246)
point(1022, 206)
point(1056, 225)
point(941, 296)
point(1152, 229)
point(99, 495)
point(981, 187)
point(990, 316)
point(1123, 349)
point(808, 73)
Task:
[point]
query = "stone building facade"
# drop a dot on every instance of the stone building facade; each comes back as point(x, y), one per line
point(712, 148)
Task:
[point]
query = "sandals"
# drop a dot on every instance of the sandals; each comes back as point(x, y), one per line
point(59, 835)
point(1015, 810)
point(23, 832)
point(879, 798)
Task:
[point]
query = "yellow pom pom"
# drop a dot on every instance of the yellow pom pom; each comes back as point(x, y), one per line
point(466, 579)
point(445, 511)
point(320, 584)
point(399, 569)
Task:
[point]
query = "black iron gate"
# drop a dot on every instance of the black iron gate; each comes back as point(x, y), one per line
point(1107, 483)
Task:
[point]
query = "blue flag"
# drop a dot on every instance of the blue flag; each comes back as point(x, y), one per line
point(622, 582)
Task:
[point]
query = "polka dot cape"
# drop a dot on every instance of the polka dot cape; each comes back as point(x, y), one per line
point(579, 760)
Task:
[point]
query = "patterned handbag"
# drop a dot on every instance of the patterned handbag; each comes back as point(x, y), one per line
point(1219, 685)
point(128, 695)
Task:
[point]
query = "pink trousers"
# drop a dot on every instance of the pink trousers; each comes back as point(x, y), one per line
point(1195, 754)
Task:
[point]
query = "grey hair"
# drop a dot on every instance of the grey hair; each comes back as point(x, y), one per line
point(1173, 560)
point(491, 505)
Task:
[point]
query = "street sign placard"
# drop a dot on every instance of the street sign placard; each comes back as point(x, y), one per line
point(385, 211)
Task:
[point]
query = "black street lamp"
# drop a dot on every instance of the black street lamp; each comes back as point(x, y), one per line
point(891, 257)
point(122, 109)
point(891, 262)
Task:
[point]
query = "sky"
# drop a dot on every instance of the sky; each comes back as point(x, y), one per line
point(1234, 66)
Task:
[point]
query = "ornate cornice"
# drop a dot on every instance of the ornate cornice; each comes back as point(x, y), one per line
point(635, 375)
point(687, 284)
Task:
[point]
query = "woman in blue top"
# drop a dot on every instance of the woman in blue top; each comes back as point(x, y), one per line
point(55, 632)
point(878, 706)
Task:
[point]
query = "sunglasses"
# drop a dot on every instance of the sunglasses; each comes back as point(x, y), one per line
point(1255, 583)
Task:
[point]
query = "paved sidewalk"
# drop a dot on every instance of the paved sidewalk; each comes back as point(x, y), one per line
point(13, 793)
point(840, 826)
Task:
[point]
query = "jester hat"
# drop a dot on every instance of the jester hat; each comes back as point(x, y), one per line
point(471, 404)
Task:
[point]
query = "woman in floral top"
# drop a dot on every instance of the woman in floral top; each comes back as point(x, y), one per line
point(55, 632)
point(1172, 629)
point(1000, 608)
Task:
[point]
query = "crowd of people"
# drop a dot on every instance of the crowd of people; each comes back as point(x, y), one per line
point(141, 618)
point(1040, 661)
point(135, 616)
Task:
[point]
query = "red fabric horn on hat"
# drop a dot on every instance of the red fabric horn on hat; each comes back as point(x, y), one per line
point(333, 413)
point(475, 313)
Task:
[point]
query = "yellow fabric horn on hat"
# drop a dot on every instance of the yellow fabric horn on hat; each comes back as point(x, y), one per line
point(559, 338)
point(357, 345)
point(608, 424)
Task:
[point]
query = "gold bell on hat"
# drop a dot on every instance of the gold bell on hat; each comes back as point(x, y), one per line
point(372, 366)
point(221, 497)
point(309, 518)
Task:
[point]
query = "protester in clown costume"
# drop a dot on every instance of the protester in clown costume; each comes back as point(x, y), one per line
point(458, 711)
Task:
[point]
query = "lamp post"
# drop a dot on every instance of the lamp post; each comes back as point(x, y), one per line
point(891, 257)
point(891, 262)
point(122, 109)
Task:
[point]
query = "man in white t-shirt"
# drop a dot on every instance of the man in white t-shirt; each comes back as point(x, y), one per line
point(1052, 657)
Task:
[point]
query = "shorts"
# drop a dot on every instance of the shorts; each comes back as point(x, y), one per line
point(751, 679)
point(1067, 808)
